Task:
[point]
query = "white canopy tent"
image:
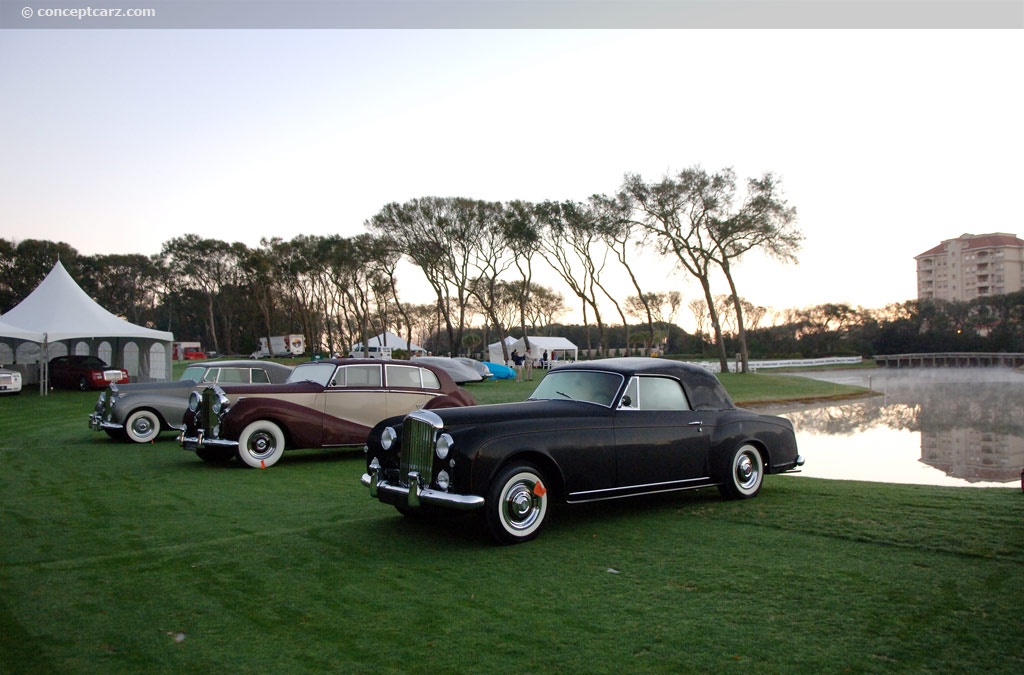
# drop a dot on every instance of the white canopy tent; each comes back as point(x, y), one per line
point(59, 318)
point(557, 348)
point(391, 340)
point(495, 353)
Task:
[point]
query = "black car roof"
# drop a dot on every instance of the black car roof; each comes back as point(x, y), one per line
point(704, 389)
point(628, 365)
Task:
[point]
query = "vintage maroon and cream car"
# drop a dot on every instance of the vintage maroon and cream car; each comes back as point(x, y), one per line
point(594, 430)
point(323, 404)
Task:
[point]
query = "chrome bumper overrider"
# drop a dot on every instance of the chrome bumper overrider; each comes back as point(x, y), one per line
point(416, 495)
point(198, 442)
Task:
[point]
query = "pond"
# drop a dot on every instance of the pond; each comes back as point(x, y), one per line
point(925, 426)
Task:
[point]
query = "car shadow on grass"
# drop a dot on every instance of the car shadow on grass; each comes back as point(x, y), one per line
point(564, 521)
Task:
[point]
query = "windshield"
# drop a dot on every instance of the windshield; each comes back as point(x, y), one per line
point(194, 373)
point(579, 385)
point(321, 373)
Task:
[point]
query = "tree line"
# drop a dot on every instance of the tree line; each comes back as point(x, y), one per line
point(479, 260)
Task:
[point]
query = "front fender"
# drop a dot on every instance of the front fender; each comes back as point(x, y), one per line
point(302, 426)
point(554, 449)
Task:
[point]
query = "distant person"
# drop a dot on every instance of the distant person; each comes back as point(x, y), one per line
point(517, 362)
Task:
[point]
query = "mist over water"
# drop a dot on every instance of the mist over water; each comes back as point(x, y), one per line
point(926, 426)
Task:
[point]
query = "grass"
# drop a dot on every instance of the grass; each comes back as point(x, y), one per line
point(124, 559)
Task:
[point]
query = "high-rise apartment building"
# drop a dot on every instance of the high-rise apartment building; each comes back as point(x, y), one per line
point(971, 266)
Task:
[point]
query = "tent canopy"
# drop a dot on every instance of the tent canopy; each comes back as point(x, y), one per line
point(17, 334)
point(59, 311)
point(389, 339)
point(559, 348)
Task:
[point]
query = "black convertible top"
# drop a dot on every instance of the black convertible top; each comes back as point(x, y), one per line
point(703, 388)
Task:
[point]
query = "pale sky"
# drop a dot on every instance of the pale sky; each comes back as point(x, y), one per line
point(887, 141)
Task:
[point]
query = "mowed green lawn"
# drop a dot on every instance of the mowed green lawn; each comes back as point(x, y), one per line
point(126, 559)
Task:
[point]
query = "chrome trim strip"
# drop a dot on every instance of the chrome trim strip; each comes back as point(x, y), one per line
point(657, 486)
point(575, 497)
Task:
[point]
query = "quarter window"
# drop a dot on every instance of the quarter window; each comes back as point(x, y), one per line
point(654, 393)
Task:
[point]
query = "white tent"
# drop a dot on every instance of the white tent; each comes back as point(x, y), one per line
point(388, 339)
point(61, 318)
point(14, 341)
point(496, 355)
point(557, 348)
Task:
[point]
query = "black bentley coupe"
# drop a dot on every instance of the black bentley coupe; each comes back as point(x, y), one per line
point(592, 430)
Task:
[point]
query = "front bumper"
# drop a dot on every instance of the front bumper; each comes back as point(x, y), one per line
point(97, 423)
point(414, 495)
point(199, 441)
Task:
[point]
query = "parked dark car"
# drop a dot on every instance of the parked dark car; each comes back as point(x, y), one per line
point(328, 403)
point(84, 373)
point(139, 412)
point(590, 431)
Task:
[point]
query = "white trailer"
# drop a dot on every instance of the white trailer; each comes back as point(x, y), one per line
point(281, 345)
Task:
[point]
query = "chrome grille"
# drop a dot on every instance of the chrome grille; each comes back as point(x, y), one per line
point(6, 378)
point(107, 400)
point(418, 434)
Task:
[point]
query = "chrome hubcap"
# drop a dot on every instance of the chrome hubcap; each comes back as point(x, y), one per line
point(521, 506)
point(261, 445)
point(746, 471)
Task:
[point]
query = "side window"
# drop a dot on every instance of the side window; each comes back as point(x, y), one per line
point(259, 376)
point(358, 376)
point(211, 375)
point(661, 393)
point(404, 376)
point(233, 375)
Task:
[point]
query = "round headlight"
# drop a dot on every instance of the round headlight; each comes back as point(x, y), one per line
point(220, 403)
point(193, 401)
point(443, 445)
point(387, 437)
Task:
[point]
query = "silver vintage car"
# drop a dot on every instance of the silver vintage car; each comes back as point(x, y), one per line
point(139, 412)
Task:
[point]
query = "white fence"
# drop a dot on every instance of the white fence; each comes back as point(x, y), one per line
point(734, 367)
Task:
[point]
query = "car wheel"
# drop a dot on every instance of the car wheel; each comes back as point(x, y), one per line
point(215, 455)
point(516, 504)
point(83, 384)
point(261, 444)
point(746, 473)
point(142, 426)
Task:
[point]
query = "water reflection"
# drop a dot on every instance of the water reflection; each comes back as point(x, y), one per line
point(935, 426)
